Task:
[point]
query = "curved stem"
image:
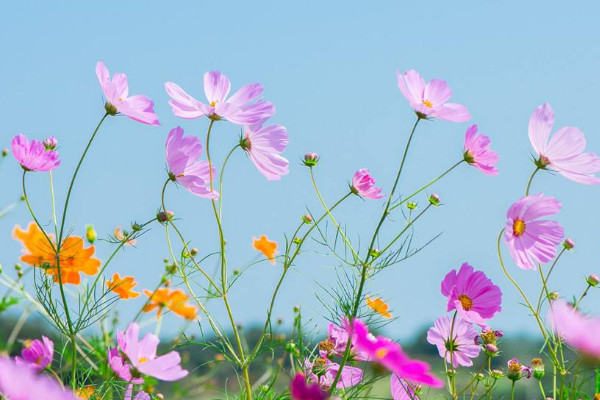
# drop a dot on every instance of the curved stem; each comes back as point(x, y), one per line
point(221, 177)
point(531, 180)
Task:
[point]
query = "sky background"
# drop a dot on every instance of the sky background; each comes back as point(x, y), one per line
point(329, 67)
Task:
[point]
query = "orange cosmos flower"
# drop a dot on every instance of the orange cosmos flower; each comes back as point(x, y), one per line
point(73, 257)
point(265, 246)
point(173, 299)
point(123, 286)
point(118, 234)
point(379, 306)
point(85, 392)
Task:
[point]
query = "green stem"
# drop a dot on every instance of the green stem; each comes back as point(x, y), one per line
point(531, 180)
point(53, 204)
point(512, 391)
point(221, 177)
point(453, 380)
point(585, 292)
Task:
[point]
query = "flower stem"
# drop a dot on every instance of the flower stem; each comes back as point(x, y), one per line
point(531, 180)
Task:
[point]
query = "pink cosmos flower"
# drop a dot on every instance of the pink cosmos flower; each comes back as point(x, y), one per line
point(20, 382)
point(564, 152)
point(139, 107)
point(472, 294)
point(32, 155)
point(363, 184)
point(128, 395)
point(579, 331)
point(402, 389)
point(263, 144)
point(37, 353)
point(301, 390)
point(241, 108)
point(323, 371)
point(530, 240)
point(430, 100)
point(457, 347)
point(134, 358)
point(184, 167)
point(477, 152)
point(390, 355)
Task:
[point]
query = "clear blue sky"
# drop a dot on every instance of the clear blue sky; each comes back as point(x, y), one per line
point(330, 69)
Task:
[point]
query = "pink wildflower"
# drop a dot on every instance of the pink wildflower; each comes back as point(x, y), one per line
point(32, 155)
point(458, 347)
point(578, 330)
point(301, 390)
point(263, 144)
point(477, 152)
point(363, 184)
point(402, 389)
point(20, 382)
point(37, 353)
point(128, 395)
point(323, 371)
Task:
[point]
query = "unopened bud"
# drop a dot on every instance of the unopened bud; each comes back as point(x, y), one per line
point(311, 159)
point(50, 143)
point(434, 199)
point(451, 372)
point(491, 349)
point(90, 234)
point(297, 240)
point(194, 251)
point(18, 267)
point(479, 376)
point(568, 244)
point(537, 365)
point(553, 296)
point(593, 280)
point(279, 321)
point(411, 206)
point(374, 253)
point(164, 216)
point(296, 309)
point(4, 152)
point(307, 219)
point(136, 227)
point(497, 374)
point(20, 274)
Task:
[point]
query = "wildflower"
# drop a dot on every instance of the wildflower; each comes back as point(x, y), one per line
point(118, 234)
point(311, 159)
point(379, 306)
point(123, 287)
point(454, 340)
point(172, 299)
point(568, 244)
point(489, 336)
point(36, 354)
point(339, 337)
point(390, 355)
point(307, 219)
point(564, 151)
point(434, 200)
point(530, 240)
point(85, 392)
point(139, 107)
point(128, 395)
point(164, 216)
point(265, 246)
point(472, 294)
point(579, 331)
point(263, 144)
point(50, 143)
point(402, 389)
point(538, 368)
point(73, 258)
point(301, 390)
point(430, 99)
point(323, 371)
point(593, 280)
point(241, 108)
point(516, 371)
point(363, 184)
point(477, 152)
point(134, 358)
point(184, 167)
point(32, 155)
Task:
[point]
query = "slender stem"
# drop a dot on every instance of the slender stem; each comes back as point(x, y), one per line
point(399, 235)
point(486, 362)
point(451, 338)
point(53, 204)
point(531, 180)
point(512, 390)
point(74, 368)
point(542, 389)
point(221, 176)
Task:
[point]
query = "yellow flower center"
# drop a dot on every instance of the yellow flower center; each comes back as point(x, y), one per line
point(465, 301)
point(213, 103)
point(518, 227)
point(142, 360)
point(120, 99)
point(428, 103)
point(381, 353)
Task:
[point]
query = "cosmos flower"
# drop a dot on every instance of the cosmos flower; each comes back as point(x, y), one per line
point(184, 167)
point(32, 155)
point(123, 287)
point(37, 354)
point(39, 252)
point(323, 371)
point(430, 99)
point(472, 294)
point(379, 306)
point(457, 348)
point(266, 246)
point(263, 144)
point(139, 107)
point(120, 236)
point(134, 358)
point(20, 382)
point(564, 152)
point(141, 395)
point(363, 184)
point(477, 152)
point(302, 390)
point(530, 240)
point(577, 330)
point(172, 299)
point(402, 389)
point(338, 336)
point(241, 108)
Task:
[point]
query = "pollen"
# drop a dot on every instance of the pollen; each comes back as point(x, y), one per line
point(143, 360)
point(428, 103)
point(213, 103)
point(518, 227)
point(380, 353)
point(465, 301)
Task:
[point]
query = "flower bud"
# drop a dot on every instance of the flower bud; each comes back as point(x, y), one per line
point(568, 243)
point(374, 253)
point(491, 349)
point(136, 227)
point(411, 206)
point(163, 216)
point(434, 199)
point(194, 251)
point(279, 321)
point(553, 296)
point(451, 372)
point(497, 373)
point(4, 152)
point(307, 219)
point(297, 240)
point(296, 309)
point(311, 159)
point(593, 280)
point(18, 267)
point(479, 376)
point(50, 143)
point(90, 234)
point(537, 365)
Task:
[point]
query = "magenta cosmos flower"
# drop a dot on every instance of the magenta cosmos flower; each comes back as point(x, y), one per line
point(241, 108)
point(184, 167)
point(430, 99)
point(37, 353)
point(32, 155)
point(20, 382)
point(455, 343)
point(530, 240)
point(579, 331)
point(263, 144)
point(477, 152)
point(363, 184)
point(564, 152)
point(471, 294)
point(323, 371)
point(139, 107)
point(134, 358)
point(390, 355)
point(301, 390)
point(402, 389)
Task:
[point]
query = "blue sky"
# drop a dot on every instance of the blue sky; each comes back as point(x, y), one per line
point(329, 67)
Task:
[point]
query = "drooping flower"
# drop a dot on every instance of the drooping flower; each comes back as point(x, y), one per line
point(128, 395)
point(363, 184)
point(390, 355)
point(564, 152)
point(73, 257)
point(302, 390)
point(123, 287)
point(184, 167)
point(454, 340)
point(120, 236)
point(172, 299)
point(528, 239)
point(266, 246)
point(263, 144)
point(139, 107)
point(379, 306)
point(576, 329)
point(323, 371)
point(472, 294)
point(37, 354)
point(477, 152)
point(402, 389)
point(134, 358)
point(20, 382)
point(430, 99)
point(241, 108)
point(32, 155)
